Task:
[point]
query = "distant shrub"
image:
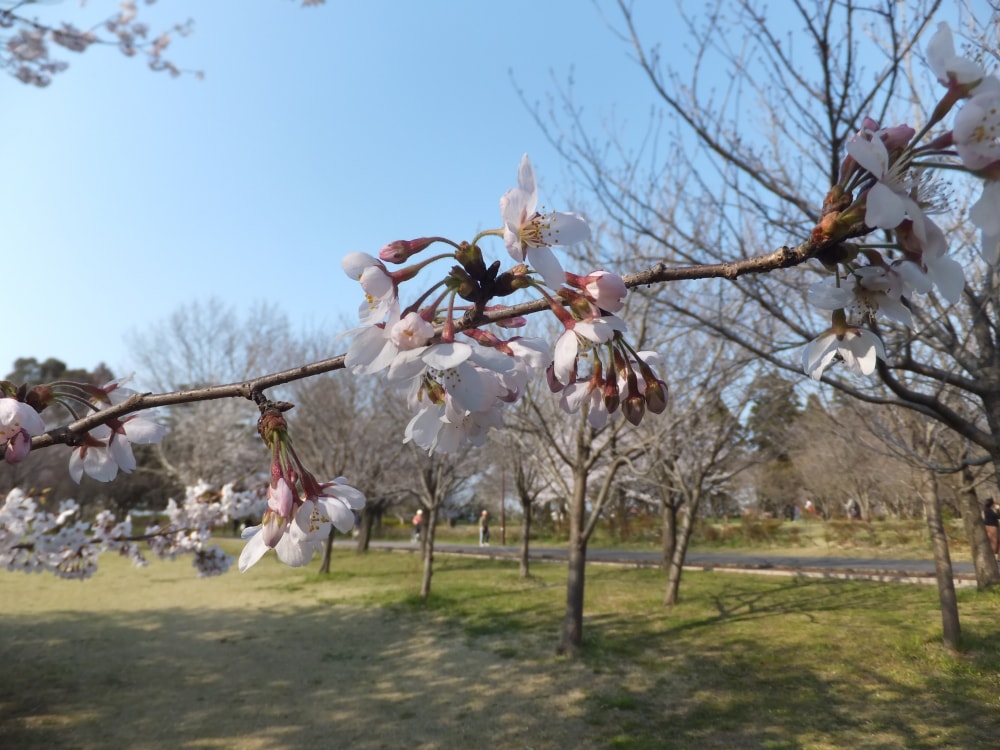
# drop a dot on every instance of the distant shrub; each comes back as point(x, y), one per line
point(795, 536)
point(760, 530)
point(708, 532)
point(852, 534)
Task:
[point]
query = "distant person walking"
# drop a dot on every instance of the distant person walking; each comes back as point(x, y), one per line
point(991, 520)
point(418, 524)
point(484, 529)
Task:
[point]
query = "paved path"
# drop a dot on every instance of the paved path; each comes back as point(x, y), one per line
point(903, 571)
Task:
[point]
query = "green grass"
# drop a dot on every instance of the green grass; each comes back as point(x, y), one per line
point(286, 658)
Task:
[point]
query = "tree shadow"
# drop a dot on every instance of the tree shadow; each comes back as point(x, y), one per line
point(308, 677)
point(298, 675)
point(740, 689)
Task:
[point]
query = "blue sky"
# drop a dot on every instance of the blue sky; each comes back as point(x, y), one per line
point(316, 132)
point(126, 194)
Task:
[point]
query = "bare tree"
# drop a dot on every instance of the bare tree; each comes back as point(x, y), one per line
point(201, 343)
point(572, 453)
point(439, 477)
point(698, 450)
point(345, 427)
point(517, 445)
point(751, 154)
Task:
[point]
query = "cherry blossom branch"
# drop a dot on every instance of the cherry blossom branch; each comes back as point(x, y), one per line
point(782, 257)
point(248, 389)
point(26, 53)
point(70, 434)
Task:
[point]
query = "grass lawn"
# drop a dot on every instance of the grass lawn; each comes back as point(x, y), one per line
point(283, 658)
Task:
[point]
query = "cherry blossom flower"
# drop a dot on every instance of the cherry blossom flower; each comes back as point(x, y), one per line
point(589, 393)
point(605, 289)
point(530, 356)
point(294, 547)
point(372, 349)
point(93, 457)
point(468, 374)
point(577, 333)
point(457, 390)
point(377, 283)
point(929, 264)
point(307, 531)
point(985, 214)
point(138, 429)
point(446, 427)
point(73, 38)
point(977, 130)
point(108, 447)
point(410, 332)
point(888, 201)
point(18, 424)
point(529, 235)
point(134, 429)
point(951, 69)
point(337, 504)
point(858, 348)
point(867, 291)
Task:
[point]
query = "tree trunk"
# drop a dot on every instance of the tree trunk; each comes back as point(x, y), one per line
point(324, 566)
point(571, 639)
point(428, 550)
point(618, 521)
point(983, 559)
point(942, 568)
point(365, 530)
point(669, 534)
point(679, 553)
point(525, 537)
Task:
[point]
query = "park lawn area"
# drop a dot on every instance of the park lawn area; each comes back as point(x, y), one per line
point(284, 658)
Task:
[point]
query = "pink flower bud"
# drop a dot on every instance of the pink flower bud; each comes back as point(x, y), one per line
point(18, 447)
point(897, 136)
point(634, 405)
point(272, 529)
point(656, 396)
point(518, 322)
point(400, 250)
point(280, 498)
point(634, 409)
point(611, 396)
point(553, 382)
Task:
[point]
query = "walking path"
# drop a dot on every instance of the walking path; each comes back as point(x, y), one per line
point(896, 571)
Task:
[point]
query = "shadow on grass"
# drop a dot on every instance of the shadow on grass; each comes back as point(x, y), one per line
point(782, 664)
point(789, 665)
point(764, 698)
point(318, 677)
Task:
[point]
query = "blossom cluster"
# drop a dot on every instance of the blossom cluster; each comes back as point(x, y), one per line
point(100, 452)
point(300, 511)
point(886, 182)
point(35, 540)
point(456, 388)
point(26, 53)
